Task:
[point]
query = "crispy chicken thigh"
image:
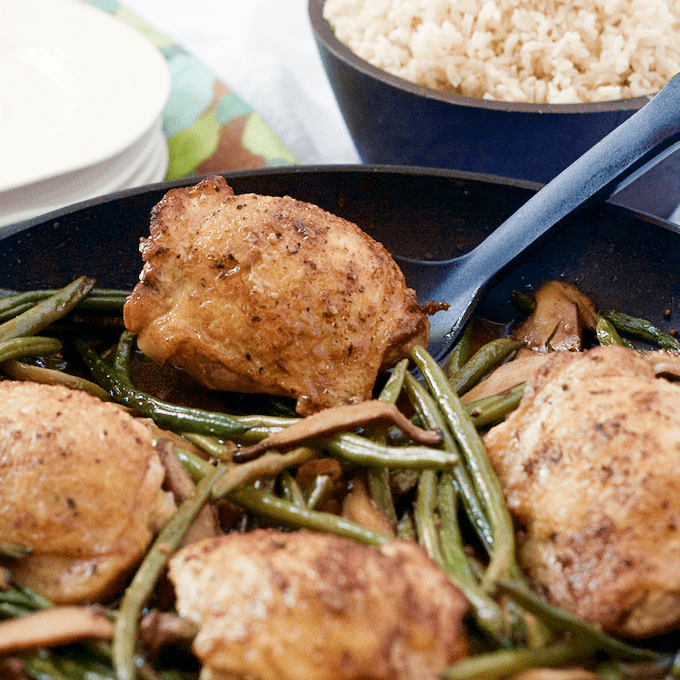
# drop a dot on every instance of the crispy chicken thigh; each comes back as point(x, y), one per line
point(310, 606)
point(590, 466)
point(80, 485)
point(270, 295)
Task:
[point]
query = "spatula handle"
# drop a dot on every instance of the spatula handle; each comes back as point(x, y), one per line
point(646, 135)
point(592, 177)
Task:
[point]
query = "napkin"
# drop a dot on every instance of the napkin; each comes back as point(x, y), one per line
point(208, 127)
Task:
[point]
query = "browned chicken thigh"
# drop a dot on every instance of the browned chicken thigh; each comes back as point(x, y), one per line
point(308, 606)
point(80, 486)
point(590, 466)
point(270, 295)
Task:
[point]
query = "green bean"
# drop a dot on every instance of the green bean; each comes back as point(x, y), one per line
point(8, 610)
point(48, 376)
point(47, 311)
point(487, 612)
point(11, 298)
point(122, 356)
point(452, 540)
point(104, 300)
point(319, 491)
point(424, 403)
point(41, 667)
point(509, 662)
point(146, 576)
point(353, 449)
point(211, 445)
point(614, 669)
point(380, 492)
point(461, 351)
point(561, 619)
point(494, 408)
point(608, 335)
point(15, 551)
point(265, 504)
point(196, 467)
point(482, 362)
point(80, 663)
point(424, 514)
point(392, 389)
point(356, 450)
point(258, 427)
point(252, 428)
point(378, 478)
point(25, 597)
point(105, 296)
point(97, 300)
point(271, 464)
point(488, 487)
point(426, 498)
point(11, 312)
point(82, 668)
point(32, 346)
point(291, 490)
point(164, 414)
point(448, 547)
point(523, 302)
point(642, 329)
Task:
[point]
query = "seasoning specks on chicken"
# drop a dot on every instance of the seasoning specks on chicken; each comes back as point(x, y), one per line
point(275, 605)
point(80, 486)
point(270, 295)
point(589, 466)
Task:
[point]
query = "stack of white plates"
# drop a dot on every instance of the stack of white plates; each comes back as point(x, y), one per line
point(81, 101)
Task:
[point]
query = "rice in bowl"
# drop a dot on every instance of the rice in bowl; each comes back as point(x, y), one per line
point(537, 51)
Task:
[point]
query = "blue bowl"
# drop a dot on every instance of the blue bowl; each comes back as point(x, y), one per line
point(393, 121)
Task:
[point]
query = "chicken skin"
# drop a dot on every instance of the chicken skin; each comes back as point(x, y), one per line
point(270, 295)
point(589, 463)
point(80, 486)
point(310, 606)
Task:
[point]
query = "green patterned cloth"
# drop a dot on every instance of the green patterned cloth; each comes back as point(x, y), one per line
point(208, 127)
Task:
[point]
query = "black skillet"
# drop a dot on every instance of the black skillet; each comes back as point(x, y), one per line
point(460, 279)
point(622, 259)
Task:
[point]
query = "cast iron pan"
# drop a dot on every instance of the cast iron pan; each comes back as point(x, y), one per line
point(623, 260)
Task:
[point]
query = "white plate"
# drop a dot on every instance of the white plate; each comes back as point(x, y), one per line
point(77, 87)
point(154, 169)
point(145, 164)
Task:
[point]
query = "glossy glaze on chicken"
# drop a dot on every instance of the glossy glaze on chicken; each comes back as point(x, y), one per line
point(80, 486)
point(310, 606)
point(270, 295)
point(588, 465)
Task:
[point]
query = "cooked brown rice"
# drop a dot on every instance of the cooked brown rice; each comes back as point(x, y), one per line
point(542, 51)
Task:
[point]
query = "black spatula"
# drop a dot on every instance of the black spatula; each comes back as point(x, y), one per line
point(645, 136)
